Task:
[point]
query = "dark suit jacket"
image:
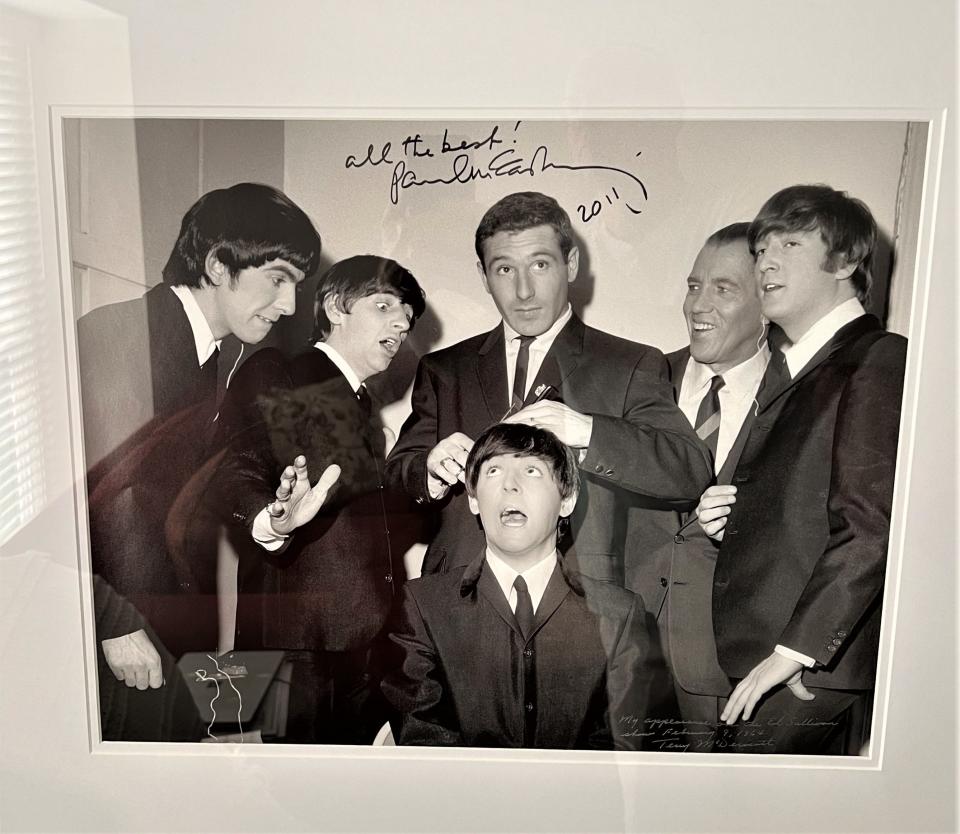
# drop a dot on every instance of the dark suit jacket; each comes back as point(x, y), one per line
point(332, 588)
point(465, 676)
point(148, 420)
point(642, 449)
point(804, 552)
point(669, 554)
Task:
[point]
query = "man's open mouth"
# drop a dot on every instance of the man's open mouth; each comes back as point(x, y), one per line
point(512, 517)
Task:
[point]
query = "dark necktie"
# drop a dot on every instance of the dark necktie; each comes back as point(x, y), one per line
point(524, 612)
point(775, 377)
point(366, 404)
point(520, 375)
point(708, 416)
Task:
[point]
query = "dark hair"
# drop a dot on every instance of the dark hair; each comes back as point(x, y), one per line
point(362, 275)
point(245, 225)
point(845, 224)
point(734, 233)
point(519, 439)
point(524, 210)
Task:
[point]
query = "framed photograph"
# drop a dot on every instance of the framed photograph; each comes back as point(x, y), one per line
point(644, 187)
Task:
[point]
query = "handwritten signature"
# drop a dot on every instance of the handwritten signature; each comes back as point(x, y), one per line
point(466, 167)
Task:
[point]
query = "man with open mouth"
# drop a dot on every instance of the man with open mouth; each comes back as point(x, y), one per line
point(318, 581)
point(516, 649)
point(804, 525)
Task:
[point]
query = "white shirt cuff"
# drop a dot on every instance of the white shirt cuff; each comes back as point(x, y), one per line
point(264, 534)
point(790, 653)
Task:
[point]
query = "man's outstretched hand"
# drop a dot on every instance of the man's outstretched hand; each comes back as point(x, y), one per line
point(297, 502)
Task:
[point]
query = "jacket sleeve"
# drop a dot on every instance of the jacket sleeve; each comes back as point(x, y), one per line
point(407, 463)
point(416, 688)
point(650, 449)
point(848, 578)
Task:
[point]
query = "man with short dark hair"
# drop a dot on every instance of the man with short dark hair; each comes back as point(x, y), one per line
point(516, 649)
point(716, 378)
point(799, 579)
point(320, 582)
point(151, 378)
point(608, 398)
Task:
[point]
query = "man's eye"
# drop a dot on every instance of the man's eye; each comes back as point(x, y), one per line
point(277, 281)
point(503, 270)
point(540, 264)
point(492, 470)
point(792, 243)
point(692, 288)
point(382, 306)
point(533, 471)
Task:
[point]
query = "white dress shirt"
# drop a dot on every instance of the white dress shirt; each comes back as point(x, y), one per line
point(800, 352)
point(539, 348)
point(737, 397)
point(202, 334)
point(536, 577)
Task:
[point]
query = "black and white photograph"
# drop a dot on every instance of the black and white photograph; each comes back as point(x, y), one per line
point(379, 430)
point(620, 399)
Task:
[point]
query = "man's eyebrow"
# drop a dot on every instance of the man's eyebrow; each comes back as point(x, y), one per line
point(288, 272)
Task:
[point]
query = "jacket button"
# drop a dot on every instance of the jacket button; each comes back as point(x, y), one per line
point(599, 468)
point(528, 652)
point(663, 581)
point(529, 707)
point(608, 472)
point(838, 642)
point(831, 648)
point(679, 539)
point(389, 577)
point(841, 634)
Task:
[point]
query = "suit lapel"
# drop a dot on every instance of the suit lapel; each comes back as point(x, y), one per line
point(561, 360)
point(555, 593)
point(490, 589)
point(841, 338)
point(678, 361)
point(492, 373)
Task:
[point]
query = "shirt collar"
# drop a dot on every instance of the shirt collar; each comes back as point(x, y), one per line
point(537, 577)
point(341, 363)
point(545, 338)
point(742, 377)
point(822, 331)
point(202, 334)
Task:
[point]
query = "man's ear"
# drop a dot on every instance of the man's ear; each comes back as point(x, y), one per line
point(573, 264)
point(567, 504)
point(483, 276)
point(334, 313)
point(845, 271)
point(215, 271)
point(473, 505)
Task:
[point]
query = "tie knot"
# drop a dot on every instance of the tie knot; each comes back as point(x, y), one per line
point(520, 584)
point(525, 341)
point(716, 384)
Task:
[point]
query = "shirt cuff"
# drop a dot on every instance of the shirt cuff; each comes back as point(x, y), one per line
point(809, 662)
point(264, 534)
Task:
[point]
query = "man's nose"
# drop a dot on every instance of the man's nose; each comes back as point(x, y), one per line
point(400, 322)
point(766, 261)
point(510, 483)
point(286, 301)
point(702, 302)
point(524, 286)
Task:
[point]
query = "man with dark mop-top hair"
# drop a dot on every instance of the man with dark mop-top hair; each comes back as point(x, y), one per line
point(151, 378)
point(516, 649)
point(799, 580)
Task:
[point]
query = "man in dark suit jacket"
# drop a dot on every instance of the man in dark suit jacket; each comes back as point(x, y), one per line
point(149, 386)
point(715, 378)
point(608, 398)
point(323, 596)
point(799, 580)
point(515, 649)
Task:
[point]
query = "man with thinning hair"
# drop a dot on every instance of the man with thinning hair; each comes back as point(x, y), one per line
point(798, 585)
